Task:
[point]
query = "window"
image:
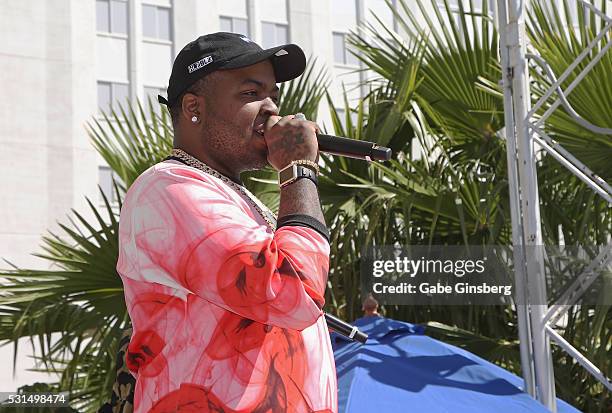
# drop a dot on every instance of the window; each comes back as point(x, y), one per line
point(379, 9)
point(343, 14)
point(234, 25)
point(156, 22)
point(111, 93)
point(452, 3)
point(478, 11)
point(102, 16)
point(341, 54)
point(112, 16)
point(491, 6)
point(105, 180)
point(274, 34)
point(151, 92)
point(478, 5)
point(574, 9)
point(455, 12)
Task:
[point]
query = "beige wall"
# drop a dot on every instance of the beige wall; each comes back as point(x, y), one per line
point(46, 163)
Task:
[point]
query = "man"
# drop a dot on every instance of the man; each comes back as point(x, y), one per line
point(226, 303)
point(370, 306)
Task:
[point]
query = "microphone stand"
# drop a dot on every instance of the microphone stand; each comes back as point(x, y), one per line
point(345, 329)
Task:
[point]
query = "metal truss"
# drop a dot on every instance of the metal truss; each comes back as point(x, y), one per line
point(536, 320)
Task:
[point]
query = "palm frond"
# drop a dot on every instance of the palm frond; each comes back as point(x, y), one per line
point(131, 140)
point(81, 301)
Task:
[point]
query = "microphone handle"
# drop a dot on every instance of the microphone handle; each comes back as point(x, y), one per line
point(344, 328)
point(353, 148)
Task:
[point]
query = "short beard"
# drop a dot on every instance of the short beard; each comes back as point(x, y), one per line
point(217, 144)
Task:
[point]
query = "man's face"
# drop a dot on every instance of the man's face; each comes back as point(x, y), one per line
point(239, 102)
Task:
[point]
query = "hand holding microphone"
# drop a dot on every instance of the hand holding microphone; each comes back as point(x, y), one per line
point(290, 138)
point(333, 145)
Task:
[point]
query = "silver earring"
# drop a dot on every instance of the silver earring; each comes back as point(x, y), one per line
point(194, 119)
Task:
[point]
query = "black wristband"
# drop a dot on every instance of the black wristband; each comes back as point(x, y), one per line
point(293, 172)
point(302, 220)
point(309, 173)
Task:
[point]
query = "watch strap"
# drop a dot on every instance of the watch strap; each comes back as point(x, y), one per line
point(294, 172)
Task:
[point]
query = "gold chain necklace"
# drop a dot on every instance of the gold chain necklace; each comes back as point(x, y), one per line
point(194, 162)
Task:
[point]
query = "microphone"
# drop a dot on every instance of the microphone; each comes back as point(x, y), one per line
point(353, 148)
point(344, 328)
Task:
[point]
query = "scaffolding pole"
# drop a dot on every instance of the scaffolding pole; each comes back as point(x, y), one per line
point(530, 280)
point(536, 321)
point(524, 324)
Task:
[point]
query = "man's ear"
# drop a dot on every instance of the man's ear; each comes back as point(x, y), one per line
point(192, 107)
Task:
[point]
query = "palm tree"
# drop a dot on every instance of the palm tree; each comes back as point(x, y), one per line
point(435, 198)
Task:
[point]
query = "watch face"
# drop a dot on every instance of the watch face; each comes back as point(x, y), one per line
point(286, 174)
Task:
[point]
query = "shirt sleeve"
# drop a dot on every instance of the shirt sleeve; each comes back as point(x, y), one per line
point(185, 231)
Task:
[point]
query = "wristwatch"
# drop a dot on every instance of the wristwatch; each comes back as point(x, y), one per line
point(293, 172)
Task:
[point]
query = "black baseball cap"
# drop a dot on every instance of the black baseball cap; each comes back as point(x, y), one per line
point(218, 51)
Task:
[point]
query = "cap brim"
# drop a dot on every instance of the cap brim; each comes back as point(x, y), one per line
point(288, 61)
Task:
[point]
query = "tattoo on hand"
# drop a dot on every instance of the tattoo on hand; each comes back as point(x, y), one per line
point(289, 141)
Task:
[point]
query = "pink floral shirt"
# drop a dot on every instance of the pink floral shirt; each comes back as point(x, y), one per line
point(226, 313)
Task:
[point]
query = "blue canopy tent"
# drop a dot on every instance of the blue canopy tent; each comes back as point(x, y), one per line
point(401, 370)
